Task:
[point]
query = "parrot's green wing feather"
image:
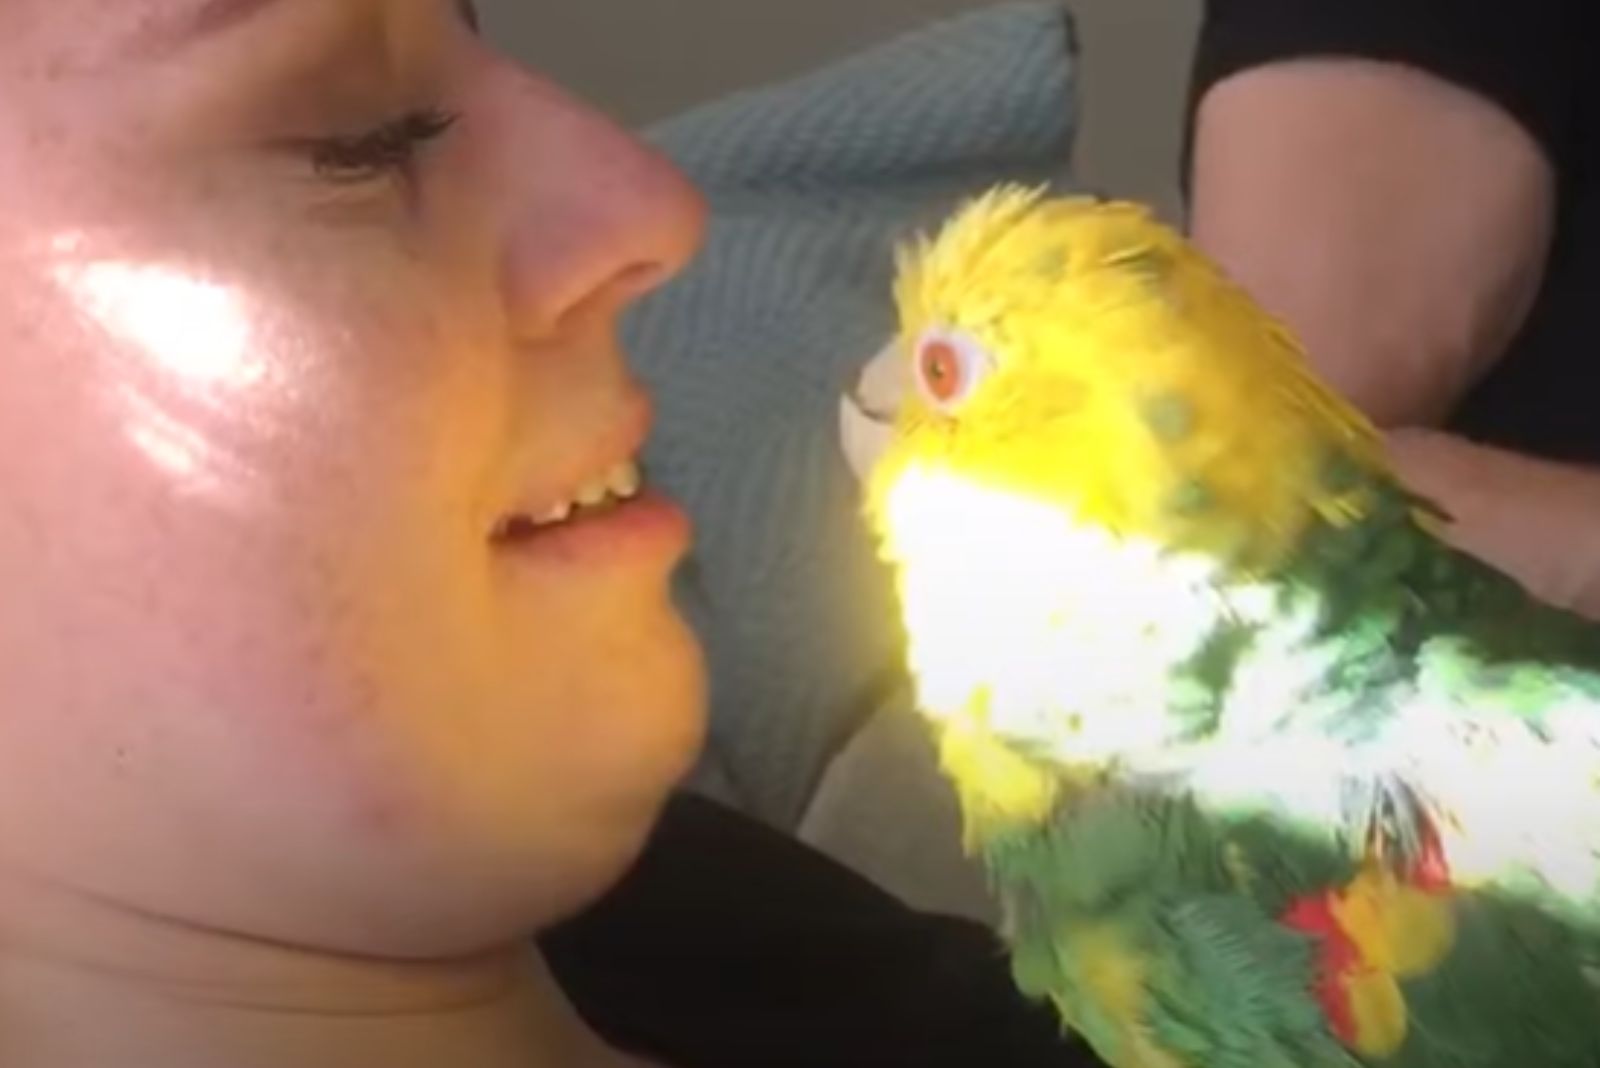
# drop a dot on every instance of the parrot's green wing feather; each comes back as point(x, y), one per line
point(1504, 999)
point(1129, 916)
point(1224, 958)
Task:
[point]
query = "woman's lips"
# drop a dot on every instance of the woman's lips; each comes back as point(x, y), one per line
point(619, 484)
point(611, 519)
point(604, 514)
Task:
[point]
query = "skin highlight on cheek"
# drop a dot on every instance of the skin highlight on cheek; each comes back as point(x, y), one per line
point(195, 331)
point(195, 341)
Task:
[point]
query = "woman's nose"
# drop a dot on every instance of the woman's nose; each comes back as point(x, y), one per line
point(599, 218)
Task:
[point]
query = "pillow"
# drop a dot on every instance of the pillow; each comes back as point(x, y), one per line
point(812, 184)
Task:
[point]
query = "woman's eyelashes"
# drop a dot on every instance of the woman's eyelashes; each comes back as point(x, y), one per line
point(386, 151)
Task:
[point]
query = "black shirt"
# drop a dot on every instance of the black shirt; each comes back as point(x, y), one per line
point(730, 945)
point(1537, 60)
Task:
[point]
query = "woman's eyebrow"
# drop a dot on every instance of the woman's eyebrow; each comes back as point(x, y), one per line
point(214, 16)
point(180, 23)
point(207, 18)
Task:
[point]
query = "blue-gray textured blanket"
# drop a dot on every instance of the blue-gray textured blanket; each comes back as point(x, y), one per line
point(812, 183)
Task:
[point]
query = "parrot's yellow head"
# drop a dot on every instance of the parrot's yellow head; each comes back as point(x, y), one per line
point(1101, 431)
point(1080, 354)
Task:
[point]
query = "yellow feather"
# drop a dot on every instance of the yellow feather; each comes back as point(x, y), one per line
point(1400, 931)
point(1115, 981)
point(1103, 311)
point(1378, 1009)
point(1397, 928)
point(995, 785)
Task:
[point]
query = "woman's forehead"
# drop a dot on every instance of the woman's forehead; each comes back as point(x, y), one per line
point(66, 35)
point(174, 21)
point(120, 18)
point(86, 33)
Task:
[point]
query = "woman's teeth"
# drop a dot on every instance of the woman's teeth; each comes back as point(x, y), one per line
point(621, 483)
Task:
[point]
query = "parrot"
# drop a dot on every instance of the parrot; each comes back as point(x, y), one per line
point(1261, 769)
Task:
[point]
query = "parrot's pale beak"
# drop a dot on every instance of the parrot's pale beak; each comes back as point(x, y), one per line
point(867, 412)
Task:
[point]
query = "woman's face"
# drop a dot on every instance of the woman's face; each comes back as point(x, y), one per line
point(307, 338)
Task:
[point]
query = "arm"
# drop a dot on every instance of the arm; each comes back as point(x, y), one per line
point(1361, 203)
point(1399, 222)
point(1536, 520)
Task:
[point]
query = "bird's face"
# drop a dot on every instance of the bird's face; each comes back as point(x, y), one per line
point(1082, 357)
point(1092, 434)
point(1015, 495)
point(1041, 356)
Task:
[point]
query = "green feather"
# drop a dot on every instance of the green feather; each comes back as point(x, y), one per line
point(1164, 872)
point(1195, 885)
point(1226, 959)
point(1511, 994)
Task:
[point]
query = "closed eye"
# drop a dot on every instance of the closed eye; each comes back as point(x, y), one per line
point(389, 149)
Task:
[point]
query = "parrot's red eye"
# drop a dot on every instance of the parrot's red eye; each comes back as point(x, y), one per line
point(941, 369)
point(949, 366)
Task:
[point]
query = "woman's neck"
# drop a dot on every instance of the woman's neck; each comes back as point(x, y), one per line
point(84, 984)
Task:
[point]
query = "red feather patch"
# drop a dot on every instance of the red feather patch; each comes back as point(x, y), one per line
point(1337, 957)
point(1431, 872)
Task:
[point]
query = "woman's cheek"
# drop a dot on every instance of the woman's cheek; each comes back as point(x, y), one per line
point(255, 458)
point(208, 426)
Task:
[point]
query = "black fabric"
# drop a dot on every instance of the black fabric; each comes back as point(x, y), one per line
point(1526, 57)
point(1536, 59)
point(731, 945)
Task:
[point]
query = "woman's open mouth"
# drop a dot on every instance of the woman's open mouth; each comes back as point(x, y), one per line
point(594, 498)
point(611, 516)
